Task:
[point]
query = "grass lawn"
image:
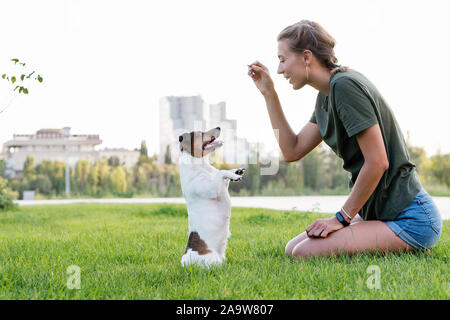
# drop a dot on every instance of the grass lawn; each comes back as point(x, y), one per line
point(130, 251)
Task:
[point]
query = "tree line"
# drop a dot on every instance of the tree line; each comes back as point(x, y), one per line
point(320, 172)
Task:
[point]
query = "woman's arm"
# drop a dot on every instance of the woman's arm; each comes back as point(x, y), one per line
point(375, 164)
point(293, 147)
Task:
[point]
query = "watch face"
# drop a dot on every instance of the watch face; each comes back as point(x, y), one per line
point(341, 219)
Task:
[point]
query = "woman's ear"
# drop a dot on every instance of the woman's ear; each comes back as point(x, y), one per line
point(307, 56)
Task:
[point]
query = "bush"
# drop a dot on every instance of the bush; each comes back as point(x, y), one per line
point(6, 199)
point(42, 184)
point(123, 194)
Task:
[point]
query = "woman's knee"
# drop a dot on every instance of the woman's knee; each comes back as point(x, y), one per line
point(295, 241)
point(289, 247)
point(304, 249)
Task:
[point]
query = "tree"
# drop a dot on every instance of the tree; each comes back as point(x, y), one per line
point(2, 167)
point(6, 200)
point(42, 184)
point(167, 156)
point(114, 161)
point(55, 171)
point(92, 179)
point(294, 176)
point(81, 175)
point(118, 179)
point(253, 174)
point(23, 78)
point(311, 165)
point(28, 169)
point(143, 151)
point(440, 168)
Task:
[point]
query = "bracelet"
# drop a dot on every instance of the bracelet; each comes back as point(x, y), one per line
point(346, 214)
point(341, 219)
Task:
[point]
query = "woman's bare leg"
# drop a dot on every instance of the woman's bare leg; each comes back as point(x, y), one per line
point(363, 236)
point(293, 242)
point(302, 236)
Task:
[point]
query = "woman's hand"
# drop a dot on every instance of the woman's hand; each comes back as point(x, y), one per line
point(260, 76)
point(322, 228)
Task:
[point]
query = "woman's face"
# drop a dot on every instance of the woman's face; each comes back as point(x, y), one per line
point(292, 65)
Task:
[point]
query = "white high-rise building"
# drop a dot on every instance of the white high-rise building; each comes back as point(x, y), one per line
point(178, 115)
point(182, 114)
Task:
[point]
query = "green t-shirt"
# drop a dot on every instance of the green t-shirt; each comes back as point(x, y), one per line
point(353, 105)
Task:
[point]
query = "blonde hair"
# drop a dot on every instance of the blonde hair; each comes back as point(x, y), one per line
point(309, 35)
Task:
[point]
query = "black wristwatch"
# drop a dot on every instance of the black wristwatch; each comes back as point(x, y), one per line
point(341, 219)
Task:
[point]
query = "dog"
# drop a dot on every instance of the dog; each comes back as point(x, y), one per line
point(208, 202)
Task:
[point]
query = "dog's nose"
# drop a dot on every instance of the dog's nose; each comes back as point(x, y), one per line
point(218, 128)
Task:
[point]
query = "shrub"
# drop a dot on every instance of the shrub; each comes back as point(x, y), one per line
point(6, 199)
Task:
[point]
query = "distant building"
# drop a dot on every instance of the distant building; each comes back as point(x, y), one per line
point(181, 114)
point(234, 149)
point(127, 158)
point(56, 145)
point(177, 114)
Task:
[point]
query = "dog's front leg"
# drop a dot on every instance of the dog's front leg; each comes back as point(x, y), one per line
point(234, 174)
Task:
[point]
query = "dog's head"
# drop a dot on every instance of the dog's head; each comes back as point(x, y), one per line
point(198, 144)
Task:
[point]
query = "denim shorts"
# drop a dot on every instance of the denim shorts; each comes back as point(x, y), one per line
point(419, 224)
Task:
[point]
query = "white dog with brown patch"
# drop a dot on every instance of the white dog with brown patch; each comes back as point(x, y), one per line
point(205, 189)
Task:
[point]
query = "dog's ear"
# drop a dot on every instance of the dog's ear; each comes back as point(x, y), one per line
point(180, 138)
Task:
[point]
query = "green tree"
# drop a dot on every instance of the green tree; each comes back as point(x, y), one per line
point(55, 170)
point(143, 151)
point(311, 165)
point(2, 167)
point(29, 172)
point(24, 77)
point(42, 184)
point(6, 200)
point(81, 175)
point(114, 161)
point(440, 168)
point(338, 177)
point(294, 176)
point(118, 179)
point(93, 179)
point(167, 156)
point(254, 174)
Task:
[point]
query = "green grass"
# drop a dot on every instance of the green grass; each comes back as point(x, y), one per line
point(133, 252)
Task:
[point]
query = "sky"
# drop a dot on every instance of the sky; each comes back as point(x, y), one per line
point(106, 64)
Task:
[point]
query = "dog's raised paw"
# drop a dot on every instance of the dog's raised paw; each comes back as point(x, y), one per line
point(240, 171)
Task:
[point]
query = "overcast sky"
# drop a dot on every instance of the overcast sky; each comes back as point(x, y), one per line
point(106, 64)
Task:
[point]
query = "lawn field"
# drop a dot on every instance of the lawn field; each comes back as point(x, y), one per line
point(133, 251)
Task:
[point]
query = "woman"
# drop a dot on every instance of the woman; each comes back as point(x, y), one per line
point(395, 213)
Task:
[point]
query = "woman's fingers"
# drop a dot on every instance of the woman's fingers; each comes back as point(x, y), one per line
point(261, 78)
point(260, 65)
point(325, 233)
point(317, 229)
point(256, 72)
point(310, 227)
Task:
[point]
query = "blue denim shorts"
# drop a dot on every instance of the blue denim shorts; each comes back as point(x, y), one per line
point(419, 224)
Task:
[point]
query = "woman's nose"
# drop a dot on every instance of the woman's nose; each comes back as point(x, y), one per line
point(280, 70)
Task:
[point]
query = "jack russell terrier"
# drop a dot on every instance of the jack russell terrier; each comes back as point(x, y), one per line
point(205, 189)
